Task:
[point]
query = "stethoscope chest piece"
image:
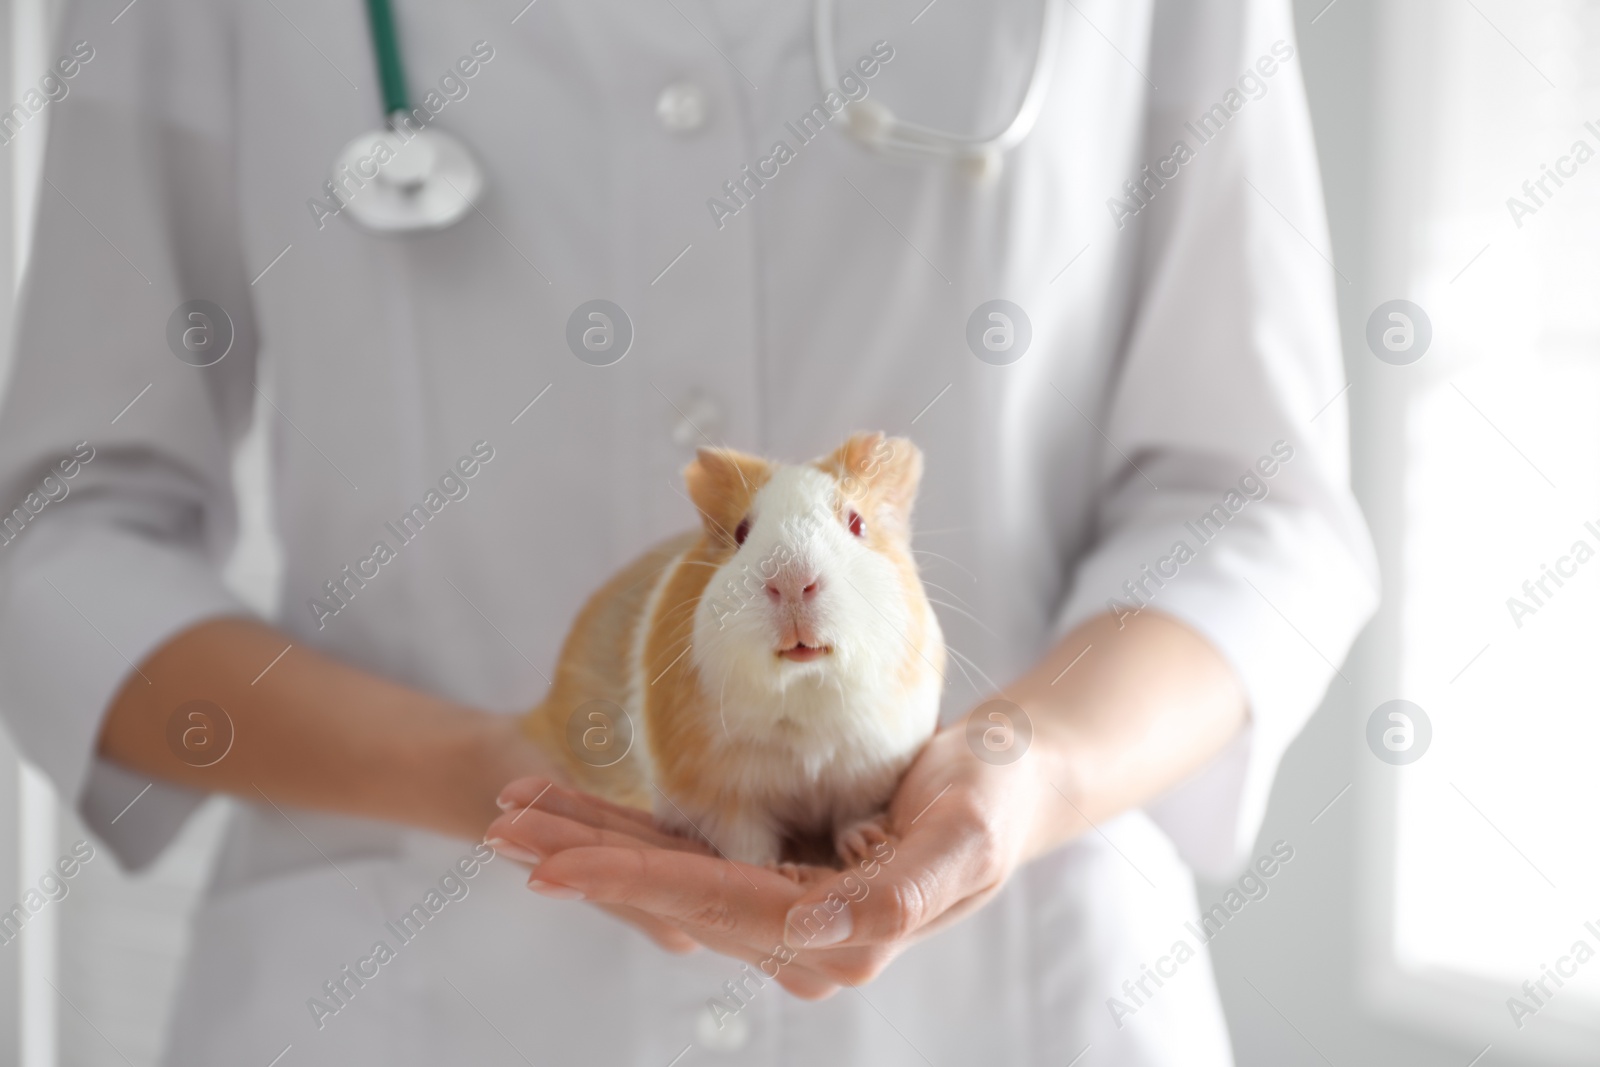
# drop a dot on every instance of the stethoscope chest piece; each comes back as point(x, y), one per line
point(402, 181)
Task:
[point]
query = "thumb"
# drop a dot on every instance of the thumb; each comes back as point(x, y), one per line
point(885, 898)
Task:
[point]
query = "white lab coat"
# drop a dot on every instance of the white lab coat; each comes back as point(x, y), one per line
point(1168, 355)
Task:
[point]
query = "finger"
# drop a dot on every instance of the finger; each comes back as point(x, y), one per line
point(775, 963)
point(807, 985)
point(533, 836)
point(601, 814)
point(574, 804)
point(702, 893)
point(526, 791)
point(933, 869)
point(580, 809)
point(708, 899)
point(958, 911)
point(663, 933)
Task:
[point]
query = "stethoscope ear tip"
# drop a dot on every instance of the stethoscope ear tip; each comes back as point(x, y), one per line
point(875, 126)
point(981, 166)
point(870, 121)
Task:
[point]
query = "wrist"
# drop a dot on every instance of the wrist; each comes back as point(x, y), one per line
point(1061, 765)
point(454, 772)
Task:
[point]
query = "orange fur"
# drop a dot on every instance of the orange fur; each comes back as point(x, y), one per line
point(595, 661)
point(592, 666)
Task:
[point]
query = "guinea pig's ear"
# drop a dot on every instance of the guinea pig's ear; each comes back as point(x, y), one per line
point(882, 471)
point(723, 483)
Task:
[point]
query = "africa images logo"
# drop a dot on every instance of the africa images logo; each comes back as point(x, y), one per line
point(1399, 732)
point(1250, 888)
point(452, 887)
point(454, 485)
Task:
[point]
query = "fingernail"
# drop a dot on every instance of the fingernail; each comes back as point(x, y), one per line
point(814, 926)
point(513, 852)
point(506, 804)
point(553, 891)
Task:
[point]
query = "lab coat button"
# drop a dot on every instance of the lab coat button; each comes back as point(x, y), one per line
point(697, 420)
point(682, 107)
point(722, 1031)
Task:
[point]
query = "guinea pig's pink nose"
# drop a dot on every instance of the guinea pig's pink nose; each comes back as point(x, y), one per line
point(792, 585)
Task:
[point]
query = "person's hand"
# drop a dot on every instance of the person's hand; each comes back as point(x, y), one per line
point(543, 818)
point(539, 812)
point(958, 827)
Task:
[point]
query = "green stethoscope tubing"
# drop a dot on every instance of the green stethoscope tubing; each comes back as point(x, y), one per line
point(386, 46)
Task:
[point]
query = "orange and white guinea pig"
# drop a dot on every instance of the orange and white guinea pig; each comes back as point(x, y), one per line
point(765, 680)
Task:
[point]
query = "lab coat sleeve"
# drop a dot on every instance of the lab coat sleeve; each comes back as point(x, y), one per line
point(99, 568)
point(1232, 350)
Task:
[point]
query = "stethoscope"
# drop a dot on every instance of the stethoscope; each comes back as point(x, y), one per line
point(415, 178)
point(430, 180)
point(876, 127)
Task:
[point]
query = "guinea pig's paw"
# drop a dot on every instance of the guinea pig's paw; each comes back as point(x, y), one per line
point(802, 873)
point(855, 843)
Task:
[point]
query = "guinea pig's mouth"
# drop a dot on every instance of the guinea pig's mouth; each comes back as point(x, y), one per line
point(800, 652)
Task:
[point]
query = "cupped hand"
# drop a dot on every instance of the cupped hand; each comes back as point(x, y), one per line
point(542, 817)
point(543, 820)
point(958, 826)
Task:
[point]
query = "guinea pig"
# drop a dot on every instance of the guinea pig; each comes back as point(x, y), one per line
point(767, 679)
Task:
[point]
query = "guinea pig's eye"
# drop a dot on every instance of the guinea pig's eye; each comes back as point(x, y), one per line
point(857, 527)
point(742, 531)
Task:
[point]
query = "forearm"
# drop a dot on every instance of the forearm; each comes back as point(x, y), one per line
point(314, 733)
point(1146, 705)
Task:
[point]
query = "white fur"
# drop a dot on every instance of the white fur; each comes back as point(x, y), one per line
point(833, 735)
point(637, 682)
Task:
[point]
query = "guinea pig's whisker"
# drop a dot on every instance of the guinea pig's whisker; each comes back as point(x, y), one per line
point(682, 623)
point(947, 559)
point(672, 646)
point(674, 640)
point(702, 511)
point(943, 589)
point(962, 669)
point(678, 633)
point(722, 690)
point(900, 633)
point(713, 643)
point(959, 658)
point(687, 607)
point(964, 611)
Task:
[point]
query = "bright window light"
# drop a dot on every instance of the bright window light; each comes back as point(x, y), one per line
point(1498, 584)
